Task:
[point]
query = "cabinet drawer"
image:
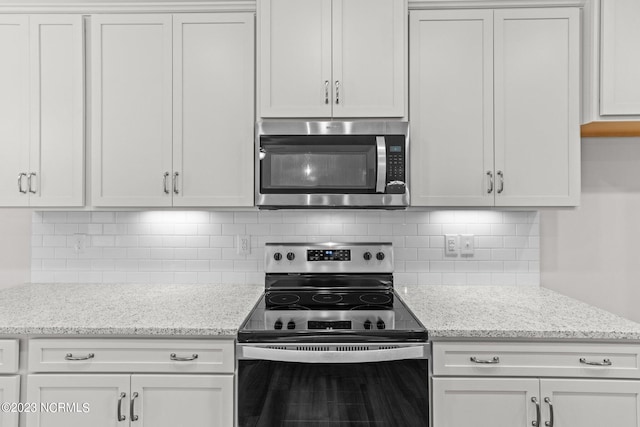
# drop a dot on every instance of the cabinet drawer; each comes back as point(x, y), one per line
point(537, 359)
point(8, 356)
point(131, 355)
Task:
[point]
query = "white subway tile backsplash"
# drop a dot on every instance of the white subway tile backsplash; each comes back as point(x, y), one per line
point(200, 247)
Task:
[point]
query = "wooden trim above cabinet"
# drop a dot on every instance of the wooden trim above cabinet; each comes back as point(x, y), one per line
point(128, 6)
point(600, 129)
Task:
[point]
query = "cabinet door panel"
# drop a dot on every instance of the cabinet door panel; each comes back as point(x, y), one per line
point(464, 402)
point(99, 392)
point(369, 58)
point(213, 109)
point(620, 90)
point(295, 58)
point(10, 393)
point(451, 107)
point(57, 116)
point(183, 400)
point(592, 403)
point(132, 109)
point(14, 108)
point(537, 134)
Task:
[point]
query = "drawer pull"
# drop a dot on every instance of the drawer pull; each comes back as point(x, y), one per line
point(174, 357)
point(605, 362)
point(70, 356)
point(536, 423)
point(493, 361)
point(119, 414)
point(132, 414)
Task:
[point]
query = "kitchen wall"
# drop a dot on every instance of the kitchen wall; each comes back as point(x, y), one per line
point(592, 253)
point(15, 252)
point(190, 247)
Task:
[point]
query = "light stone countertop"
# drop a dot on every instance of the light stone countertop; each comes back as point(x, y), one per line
point(118, 309)
point(513, 312)
point(457, 312)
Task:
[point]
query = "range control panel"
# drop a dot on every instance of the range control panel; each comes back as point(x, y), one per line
point(328, 254)
point(328, 258)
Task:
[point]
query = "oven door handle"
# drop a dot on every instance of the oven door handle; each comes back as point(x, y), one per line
point(311, 356)
point(381, 181)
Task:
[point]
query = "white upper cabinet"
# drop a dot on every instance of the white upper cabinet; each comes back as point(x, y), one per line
point(131, 110)
point(495, 107)
point(332, 58)
point(172, 110)
point(537, 107)
point(213, 109)
point(41, 111)
point(620, 62)
point(451, 107)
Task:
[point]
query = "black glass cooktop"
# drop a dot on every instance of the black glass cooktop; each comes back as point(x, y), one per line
point(291, 315)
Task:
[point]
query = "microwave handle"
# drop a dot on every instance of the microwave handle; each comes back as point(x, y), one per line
point(381, 146)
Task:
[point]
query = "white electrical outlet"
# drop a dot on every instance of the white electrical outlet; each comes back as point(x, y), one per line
point(243, 244)
point(451, 244)
point(79, 242)
point(466, 244)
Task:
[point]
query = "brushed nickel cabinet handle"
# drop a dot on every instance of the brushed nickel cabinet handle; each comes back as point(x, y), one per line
point(20, 176)
point(175, 357)
point(70, 356)
point(164, 182)
point(326, 92)
point(119, 414)
point(550, 422)
point(492, 361)
point(501, 176)
point(175, 182)
point(132, 414)
point(490, 176)
point(30, 182)
point(337, 92)
point(605, 362)
point(536, 423)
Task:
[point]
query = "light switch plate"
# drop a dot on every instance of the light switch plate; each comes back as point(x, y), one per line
point(466, 244)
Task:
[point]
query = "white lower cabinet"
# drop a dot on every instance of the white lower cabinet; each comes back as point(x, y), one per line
point(474, 384)
point(122, 400)
point(9, 393)
point(104, 383)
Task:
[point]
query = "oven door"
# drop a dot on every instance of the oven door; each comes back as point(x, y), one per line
point(336, 385)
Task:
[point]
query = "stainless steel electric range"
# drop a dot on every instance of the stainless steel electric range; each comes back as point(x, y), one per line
point(331, 343)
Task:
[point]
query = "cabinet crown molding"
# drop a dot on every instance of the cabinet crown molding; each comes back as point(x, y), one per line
point(129, 6)
point(491, 4)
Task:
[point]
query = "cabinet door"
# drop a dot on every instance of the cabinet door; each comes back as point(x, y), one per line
point(537, 100)
point(369, 58)
point(9, 393)
point(183, 400)
point(592, 403)
point(92, 400)
point(620, 62)
point(464, 402)
point(294, 51)
point(213, 109)
point(57, 115)
point(131, 72)
point(14, 109)
point(451, 108)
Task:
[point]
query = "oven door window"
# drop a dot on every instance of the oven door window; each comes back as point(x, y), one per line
point(303, 394)
point(318, 164)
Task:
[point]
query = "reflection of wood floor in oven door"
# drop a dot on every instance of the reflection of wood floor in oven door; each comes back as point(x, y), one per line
point(310, 395)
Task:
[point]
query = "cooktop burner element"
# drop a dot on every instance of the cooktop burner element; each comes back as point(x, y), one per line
point(286, 299)
point(330, 293)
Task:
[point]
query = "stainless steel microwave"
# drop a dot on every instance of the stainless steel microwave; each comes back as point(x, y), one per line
point(332, 164)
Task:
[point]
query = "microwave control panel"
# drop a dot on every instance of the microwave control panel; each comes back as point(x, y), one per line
point(396, 160)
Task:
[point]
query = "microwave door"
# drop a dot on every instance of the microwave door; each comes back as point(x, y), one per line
point(319, 164)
